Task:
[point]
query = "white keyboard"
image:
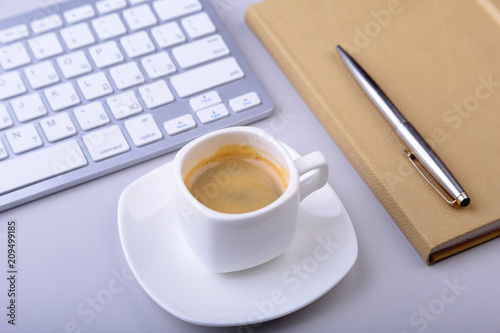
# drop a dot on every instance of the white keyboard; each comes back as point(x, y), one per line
point(89, 88)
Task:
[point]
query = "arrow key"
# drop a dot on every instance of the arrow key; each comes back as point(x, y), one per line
point(179, 124)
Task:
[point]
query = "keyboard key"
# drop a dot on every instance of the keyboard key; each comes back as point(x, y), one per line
point(106, 54)
point(244, 102)
point(14, 33)
point(11, 85)
point(158, 65)
point(62, 96)
point(179, 124)
point(74, 64)
point(3, 151)
point(58, 127)
point(201, 102)
point(124, 105)
point(169, 9)
point(127, 75)
point(23, 139)
point(143, 130)
point(45, 46)
point(139, 17)
point(212, 113)
point(201, 51)
point(79, 14)
point(106, 143)
point(168, 34)
point(94, 86)
point(108, 26)
point(13, 56)
point(40, 165)
point(198, 25)
point(156, 94)
point(77, 36)
point(5, 119)
point(91, 116)
point(46, 23)
point(106, 6)
point(28, 107)
point(137, 44)
point(207, 77)
point(41, 75)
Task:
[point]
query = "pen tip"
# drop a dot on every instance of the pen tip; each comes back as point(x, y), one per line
point(463, 200)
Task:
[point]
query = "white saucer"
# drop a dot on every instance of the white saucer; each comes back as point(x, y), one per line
point(323, 252)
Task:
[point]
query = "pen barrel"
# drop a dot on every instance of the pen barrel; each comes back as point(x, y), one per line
point(417, 145)
point(429, 159)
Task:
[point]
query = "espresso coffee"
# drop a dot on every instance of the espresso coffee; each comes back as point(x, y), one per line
point(236, 179)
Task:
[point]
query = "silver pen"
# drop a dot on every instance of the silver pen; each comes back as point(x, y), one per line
point(418, 148)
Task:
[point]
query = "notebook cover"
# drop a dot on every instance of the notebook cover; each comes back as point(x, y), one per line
point(438, 61)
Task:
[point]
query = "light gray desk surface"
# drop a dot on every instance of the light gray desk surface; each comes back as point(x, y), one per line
point(69, 249)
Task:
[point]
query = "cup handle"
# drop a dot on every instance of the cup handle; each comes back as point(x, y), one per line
point(317, 163)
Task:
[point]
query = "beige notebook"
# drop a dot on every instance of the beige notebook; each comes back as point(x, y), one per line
point(439, 62)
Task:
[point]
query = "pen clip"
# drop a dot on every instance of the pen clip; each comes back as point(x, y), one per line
point(412, 157)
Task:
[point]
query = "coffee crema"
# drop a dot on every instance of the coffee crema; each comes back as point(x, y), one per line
point(236, 179)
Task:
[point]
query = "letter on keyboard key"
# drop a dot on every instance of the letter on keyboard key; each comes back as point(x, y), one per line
point(40, 165)
point(41, 75)
point(105, 143)
point(106, 54)
point(24, 138)
point(94, 86)
point(206, 77)
point(11, 85)
point(62, 96)
point(28, 107)
point(74, 64)
point(14, 55)
point(58, 127)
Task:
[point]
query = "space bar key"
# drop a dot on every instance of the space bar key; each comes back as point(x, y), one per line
point(40, 165)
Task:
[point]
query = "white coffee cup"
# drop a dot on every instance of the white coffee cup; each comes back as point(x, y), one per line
point(232, 242)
